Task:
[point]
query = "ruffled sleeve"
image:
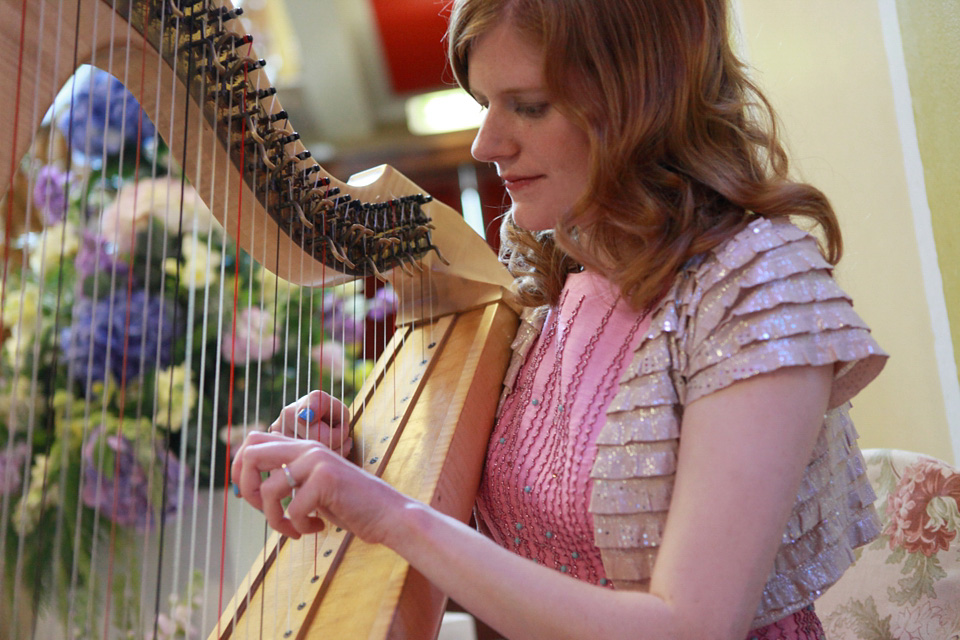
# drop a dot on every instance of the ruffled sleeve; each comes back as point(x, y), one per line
point(763, 300)
point(768, 301)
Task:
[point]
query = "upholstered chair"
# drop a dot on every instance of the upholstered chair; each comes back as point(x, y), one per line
point(906, 584)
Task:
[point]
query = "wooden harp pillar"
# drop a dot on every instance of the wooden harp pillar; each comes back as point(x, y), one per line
point(437, 382)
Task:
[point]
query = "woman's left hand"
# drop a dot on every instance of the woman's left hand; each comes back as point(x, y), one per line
point(323, 484)
point(317, 416)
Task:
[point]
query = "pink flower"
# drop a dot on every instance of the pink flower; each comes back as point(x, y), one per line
point(331, 358)
point(237, 434)
point(911, 524)
point(253, 337)
point(11, 465)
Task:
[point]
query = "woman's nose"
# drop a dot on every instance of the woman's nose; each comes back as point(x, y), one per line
point(492, 140)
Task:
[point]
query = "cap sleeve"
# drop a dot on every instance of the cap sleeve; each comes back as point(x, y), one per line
point(765, 301)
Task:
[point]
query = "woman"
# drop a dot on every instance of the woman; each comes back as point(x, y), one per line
point(673, 432)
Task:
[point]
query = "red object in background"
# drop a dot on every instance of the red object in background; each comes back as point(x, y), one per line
point(412, 35)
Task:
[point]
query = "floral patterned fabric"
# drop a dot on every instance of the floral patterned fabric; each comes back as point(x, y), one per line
point(906, 584)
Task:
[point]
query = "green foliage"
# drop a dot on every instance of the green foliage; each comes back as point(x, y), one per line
point(866, 620)
point(920, 573)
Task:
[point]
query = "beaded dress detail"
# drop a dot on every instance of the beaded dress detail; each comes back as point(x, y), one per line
point(763, 300)
point(533, 498)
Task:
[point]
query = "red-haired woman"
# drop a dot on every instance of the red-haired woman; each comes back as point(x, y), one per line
point(673, 456)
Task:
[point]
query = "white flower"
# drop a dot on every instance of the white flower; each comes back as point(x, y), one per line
point(52, 242)
point(172, 397)
point(158, 199)
point(201, 267)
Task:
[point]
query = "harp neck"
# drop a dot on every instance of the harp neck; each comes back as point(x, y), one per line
point(188, 67)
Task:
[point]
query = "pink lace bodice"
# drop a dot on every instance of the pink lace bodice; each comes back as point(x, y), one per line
point(536, 484)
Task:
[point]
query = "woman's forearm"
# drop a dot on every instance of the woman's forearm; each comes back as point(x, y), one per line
point(516, 596)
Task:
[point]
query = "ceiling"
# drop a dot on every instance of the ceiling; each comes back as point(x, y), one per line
point(357, 62)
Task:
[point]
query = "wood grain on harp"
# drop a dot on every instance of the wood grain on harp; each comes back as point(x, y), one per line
point(436, 385)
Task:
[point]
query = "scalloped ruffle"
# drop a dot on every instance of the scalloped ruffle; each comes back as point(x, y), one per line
point(762, 301)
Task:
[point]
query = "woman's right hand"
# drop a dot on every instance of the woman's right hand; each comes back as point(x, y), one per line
point(271, 467)
point(320, 417)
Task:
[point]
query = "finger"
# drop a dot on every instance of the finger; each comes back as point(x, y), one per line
point(302, 510)
point(308, 512)
point(322, 432)
point(333, 437)
point(287, 423)
point(264, 452)
point(307, 481)
point(304, 417)
point(273, 491)
point(254, 438)
point(343, 449)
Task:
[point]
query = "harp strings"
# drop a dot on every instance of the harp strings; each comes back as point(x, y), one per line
point(92, 606)
point(17, 362)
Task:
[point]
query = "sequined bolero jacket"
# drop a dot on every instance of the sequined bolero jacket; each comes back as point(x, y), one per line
point(763, 300)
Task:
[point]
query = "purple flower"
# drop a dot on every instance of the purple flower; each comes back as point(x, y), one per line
point(93, 256)
point(50, 194)
point(383, 305)
point(103, 116)
point(94, 343)
point(339, 321)
point(11, 466)
point(116, 481)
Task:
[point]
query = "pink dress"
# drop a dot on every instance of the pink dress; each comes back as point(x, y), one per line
point(536, 484)
point(580, 466)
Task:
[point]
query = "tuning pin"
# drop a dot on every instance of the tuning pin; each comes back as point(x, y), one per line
point(250, 64)
point(260, 94)
point(226, 15)
point(309, 170)
point(279, 115)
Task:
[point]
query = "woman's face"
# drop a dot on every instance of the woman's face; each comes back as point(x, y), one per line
point(540, 155)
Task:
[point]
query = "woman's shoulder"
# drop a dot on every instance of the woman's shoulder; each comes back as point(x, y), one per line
point(764, 250)
point(764, 299)
point(772, 259)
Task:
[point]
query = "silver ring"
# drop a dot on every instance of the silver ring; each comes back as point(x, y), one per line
point(288, 475)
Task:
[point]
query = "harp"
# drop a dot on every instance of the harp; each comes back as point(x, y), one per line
point(421, 416)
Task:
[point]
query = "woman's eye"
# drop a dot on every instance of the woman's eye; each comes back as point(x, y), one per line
point(533, 110)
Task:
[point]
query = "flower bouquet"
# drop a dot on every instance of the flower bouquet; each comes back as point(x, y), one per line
point(138, 347)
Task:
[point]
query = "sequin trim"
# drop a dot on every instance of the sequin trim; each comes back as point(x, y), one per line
point(762, 301)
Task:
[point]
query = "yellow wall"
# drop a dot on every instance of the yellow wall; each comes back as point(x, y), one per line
point(931, 46)
point(824, 67)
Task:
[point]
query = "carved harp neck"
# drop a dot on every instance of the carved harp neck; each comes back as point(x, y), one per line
point(188, 66)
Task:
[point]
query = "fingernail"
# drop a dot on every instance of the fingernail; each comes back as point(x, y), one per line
point(236, 489)
point(306, 415)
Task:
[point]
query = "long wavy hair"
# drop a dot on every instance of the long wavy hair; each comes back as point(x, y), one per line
point(684, 147)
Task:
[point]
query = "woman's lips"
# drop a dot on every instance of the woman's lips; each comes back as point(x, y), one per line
point(515, 183)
